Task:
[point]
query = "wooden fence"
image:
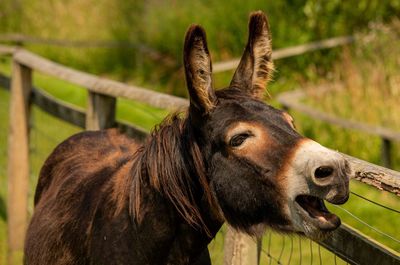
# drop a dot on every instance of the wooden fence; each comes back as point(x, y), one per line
point(346, 242)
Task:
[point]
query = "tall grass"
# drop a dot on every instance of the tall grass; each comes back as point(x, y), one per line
point(160, 26)
point(366, 81)
point(365, 87)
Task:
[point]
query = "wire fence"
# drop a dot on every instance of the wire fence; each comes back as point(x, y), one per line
point(285, 249)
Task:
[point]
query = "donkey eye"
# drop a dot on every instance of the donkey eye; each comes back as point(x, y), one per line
point(238, 139)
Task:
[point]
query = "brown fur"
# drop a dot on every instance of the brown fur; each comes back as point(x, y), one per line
point(87, 192)
point(171, 179)
point(197, 62)
point(254, 147)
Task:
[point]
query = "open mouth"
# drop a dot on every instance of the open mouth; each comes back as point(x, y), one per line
point(314, 210)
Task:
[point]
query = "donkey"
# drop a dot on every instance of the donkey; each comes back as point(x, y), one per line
point(103, 198)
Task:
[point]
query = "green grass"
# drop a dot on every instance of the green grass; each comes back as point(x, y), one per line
point(146, 23)
point(365, 83)
point(48, 131)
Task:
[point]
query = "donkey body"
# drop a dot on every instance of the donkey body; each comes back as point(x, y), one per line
point(82, 214)
point(102, 198)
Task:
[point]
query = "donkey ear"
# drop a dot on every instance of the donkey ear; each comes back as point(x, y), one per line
point(255, 67)
point(198, 70)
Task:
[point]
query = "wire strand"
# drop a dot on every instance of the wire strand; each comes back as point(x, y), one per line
point(368, 225)
point(376, 203)
point(300, 250)
point(268, 254)
point(282, 249)
point(291, 250)
point(269, 248)
point(319, 254)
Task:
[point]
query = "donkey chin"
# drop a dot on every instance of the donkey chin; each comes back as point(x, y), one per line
point(315, 174)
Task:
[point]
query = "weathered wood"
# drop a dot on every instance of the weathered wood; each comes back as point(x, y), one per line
point(293, 99)
point(76, 115)
point(217, 67)
point(240, 248)
point(289, 52)
point(99, 85)
point(7, 49)
point(376, 176)
point(100, 112)
point(71, 113)
point(386, 150)
point(356, 248)
point(18, 161)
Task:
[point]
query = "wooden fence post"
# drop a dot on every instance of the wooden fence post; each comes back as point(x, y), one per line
point(100, 113)
point(386, 148)
point(18, 161)
point(240, 249)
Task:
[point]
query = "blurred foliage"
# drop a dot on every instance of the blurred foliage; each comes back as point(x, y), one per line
point(159, 26)
point(365, 83)
point(364, 86)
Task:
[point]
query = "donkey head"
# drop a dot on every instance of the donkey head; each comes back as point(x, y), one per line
point(260, 170)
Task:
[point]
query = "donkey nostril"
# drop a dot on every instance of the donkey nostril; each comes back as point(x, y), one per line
point(323, 172)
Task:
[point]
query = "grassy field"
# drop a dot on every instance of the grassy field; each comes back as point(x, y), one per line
point(365, 86)
point(143, 25)
point(376, 106)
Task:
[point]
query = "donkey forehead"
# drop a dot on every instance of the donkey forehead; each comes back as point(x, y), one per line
point(254, 113)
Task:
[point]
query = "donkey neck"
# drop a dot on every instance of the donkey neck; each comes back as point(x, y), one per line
point(171, 166)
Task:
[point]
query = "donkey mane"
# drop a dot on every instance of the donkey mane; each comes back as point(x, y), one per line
point(170, 162)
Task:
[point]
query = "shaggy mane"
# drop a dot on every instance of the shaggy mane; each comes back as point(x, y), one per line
point(170, 161)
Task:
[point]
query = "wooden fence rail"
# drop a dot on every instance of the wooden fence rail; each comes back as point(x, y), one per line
point(290, 52)
point(217, 67)
point(70, 113)
point(100, 113)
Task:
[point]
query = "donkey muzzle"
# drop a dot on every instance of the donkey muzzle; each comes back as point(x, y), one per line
point(319, 171)
point(316, 174)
